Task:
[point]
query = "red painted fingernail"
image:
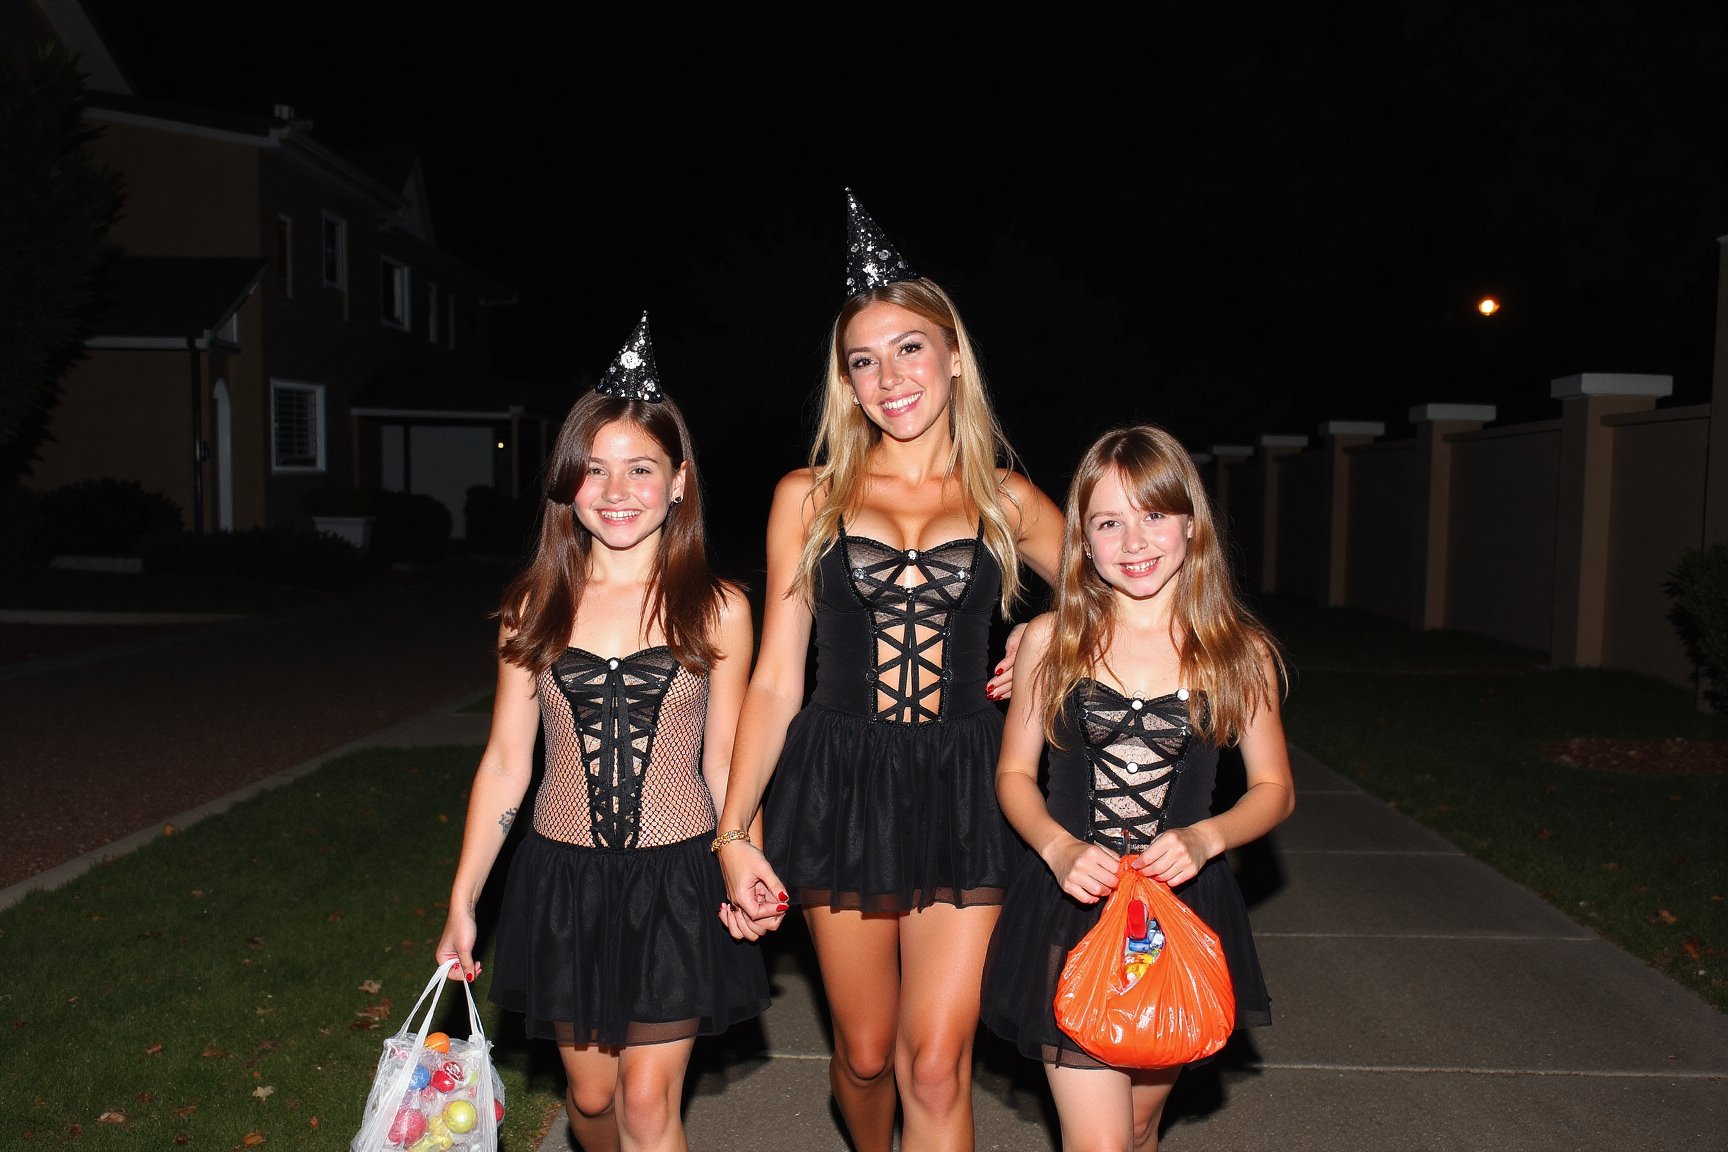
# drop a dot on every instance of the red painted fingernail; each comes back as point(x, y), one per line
point(783, 897)
point(782, 908)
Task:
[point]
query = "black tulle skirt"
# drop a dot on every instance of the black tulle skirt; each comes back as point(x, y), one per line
point(620, 948)
point(1040, 924)
point(890, 817)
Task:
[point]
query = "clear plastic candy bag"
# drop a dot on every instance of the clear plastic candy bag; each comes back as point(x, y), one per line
point(433, 1092)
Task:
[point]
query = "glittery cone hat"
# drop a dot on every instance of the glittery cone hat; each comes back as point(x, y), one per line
point(870, 260)
point(633, 375)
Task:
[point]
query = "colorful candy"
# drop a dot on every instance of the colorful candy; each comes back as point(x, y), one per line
point(443, 1081)
point(460, 1116)
point(437, 1042)
point(419, 1078)
point(408, 1126)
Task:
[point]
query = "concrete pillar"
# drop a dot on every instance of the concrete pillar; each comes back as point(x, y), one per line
point(1581, 526)
point(1433, 503)
point(1335, 437)
point(1271, 449)
point(1716, 477)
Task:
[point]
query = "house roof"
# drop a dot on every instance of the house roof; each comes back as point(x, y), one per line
point(172, 298)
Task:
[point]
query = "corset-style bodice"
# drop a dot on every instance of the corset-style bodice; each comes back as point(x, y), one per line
point(623, 751)
point(1128, 766)
point(902, 637)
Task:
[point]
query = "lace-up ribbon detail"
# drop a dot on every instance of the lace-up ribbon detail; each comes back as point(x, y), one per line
point(911, 597)
point(1136, 748)
point(616, 704)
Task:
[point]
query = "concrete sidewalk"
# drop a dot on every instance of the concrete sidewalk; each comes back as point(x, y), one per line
point(1422, 1002)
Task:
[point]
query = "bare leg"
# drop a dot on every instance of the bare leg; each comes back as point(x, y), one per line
point(859, 956)
point(650, 1089)
point(1095, 1108)
point(591, 1084)
point(941, 964)
point(1151, 1089)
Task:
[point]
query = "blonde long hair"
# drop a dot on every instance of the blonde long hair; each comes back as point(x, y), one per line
point(981, 458)
point(1221, 647)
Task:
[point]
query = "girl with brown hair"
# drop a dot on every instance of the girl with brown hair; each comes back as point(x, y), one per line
point(1146, 666)
point(623, 647)
point(898, 542)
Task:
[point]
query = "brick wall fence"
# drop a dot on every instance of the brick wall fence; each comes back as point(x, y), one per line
point(1556, 534)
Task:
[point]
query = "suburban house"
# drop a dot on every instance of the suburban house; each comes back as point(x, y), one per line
point(282, 316)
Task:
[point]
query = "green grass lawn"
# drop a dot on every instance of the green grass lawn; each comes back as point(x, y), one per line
point(218, 983)
point(1447, 727)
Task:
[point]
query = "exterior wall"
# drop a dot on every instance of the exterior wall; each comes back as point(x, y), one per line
point(1304, 524)
point(1656, 514)
point(185, 195)
point(1383, 525)
point(1505, 484)
point(127, 415)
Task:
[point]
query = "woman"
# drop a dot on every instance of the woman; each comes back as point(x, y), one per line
point(620, 642)
point(896, 544)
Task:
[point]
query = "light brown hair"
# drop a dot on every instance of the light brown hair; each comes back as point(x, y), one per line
point(1222, 648)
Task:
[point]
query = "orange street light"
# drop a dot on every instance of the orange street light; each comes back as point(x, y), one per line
point(1488, 306)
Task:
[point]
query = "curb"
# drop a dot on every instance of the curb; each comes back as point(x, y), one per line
point(63, 873)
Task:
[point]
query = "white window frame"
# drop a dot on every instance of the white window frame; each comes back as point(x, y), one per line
point(340, 283)
point(319, 436)
point(432, 311)
point(401, 295)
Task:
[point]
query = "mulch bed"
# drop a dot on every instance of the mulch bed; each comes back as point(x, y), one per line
point(1674, 756)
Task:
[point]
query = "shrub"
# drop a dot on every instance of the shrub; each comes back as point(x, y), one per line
point(497, 524)
point(296, 557)
point(1699, 587)
point(411, 529)
point(105, 517)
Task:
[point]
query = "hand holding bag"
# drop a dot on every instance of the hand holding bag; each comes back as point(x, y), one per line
point(1147, 987)
point(433, 1092)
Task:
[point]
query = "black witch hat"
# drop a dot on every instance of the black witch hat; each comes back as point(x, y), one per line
point(870, 260)
point(633, 375)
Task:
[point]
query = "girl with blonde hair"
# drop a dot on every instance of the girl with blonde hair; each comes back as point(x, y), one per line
point(897, 544)
point(1148, 664)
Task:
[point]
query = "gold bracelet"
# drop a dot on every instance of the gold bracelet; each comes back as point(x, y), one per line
point(729, 837)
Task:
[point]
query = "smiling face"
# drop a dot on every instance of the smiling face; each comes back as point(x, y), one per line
point(627, 488)
point(901, 369)
point(1136, 551)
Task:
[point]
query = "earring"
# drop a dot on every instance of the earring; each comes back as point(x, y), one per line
point(854, 401)
point(677, 499)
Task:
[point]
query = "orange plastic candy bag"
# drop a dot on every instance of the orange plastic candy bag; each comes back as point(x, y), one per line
point(1147, 987)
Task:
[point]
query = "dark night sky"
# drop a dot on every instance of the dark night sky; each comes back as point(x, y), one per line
point(1231, 218)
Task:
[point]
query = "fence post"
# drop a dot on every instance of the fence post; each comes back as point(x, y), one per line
point(1585, 497)
point(1433, 503)
point(1272, 448)
point(1338, 435)
point(1716, 477)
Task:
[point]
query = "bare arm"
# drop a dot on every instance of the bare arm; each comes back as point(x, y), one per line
point(506, 767)
point(1179, 854)
point(726, 683)
point(775, 693)
point(1038, 540)
point(1085, 871)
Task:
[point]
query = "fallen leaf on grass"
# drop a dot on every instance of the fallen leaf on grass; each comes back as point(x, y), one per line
point(152, 1049)
point(263, 1092)
point(145, 1097)
point(169, 830)
point(182, 1138)
point(255, 941)
point(313, 1121)
point(266, 1045)
point(212, 1051)
point(370, 987)
point(1693, 946)
point(111, 1118)
point(186, 1111)
point(334, 917)
point(1666, 916)
point(264, 1011)
point(362, 1025)
point(197, 891)
point(74, 1130)
point(253, 1139)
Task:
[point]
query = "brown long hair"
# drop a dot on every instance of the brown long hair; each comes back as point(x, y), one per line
point(980, 461)
point(1221, 646)
point(685, 600)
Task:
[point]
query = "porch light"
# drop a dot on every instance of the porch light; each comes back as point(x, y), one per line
point(1488, 306)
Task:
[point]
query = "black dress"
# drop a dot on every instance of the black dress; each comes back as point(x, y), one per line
point(884, 799)
point(1130, 767)
point(609, 932)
